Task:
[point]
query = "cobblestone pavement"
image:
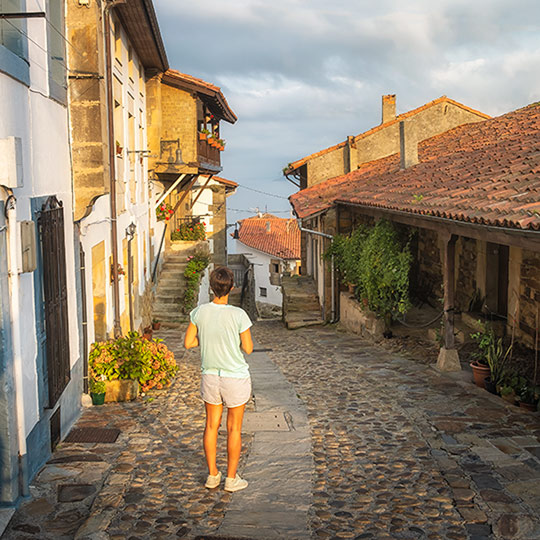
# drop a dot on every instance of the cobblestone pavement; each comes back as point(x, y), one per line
point(404, 452)
point(399, 451)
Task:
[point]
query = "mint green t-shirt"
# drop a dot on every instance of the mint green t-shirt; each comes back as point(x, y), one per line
point(218, 328)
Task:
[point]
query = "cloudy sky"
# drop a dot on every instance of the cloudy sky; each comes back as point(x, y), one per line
point(301, 75)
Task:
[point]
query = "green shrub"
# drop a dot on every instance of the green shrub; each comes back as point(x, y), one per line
point(132, 357)
point(377, 263)
point(192, 274)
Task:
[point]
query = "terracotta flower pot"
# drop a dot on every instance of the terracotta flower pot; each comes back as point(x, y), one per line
point(156, 326)
point(480, 372)
point(203, 136)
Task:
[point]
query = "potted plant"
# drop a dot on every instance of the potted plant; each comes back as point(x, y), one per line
point(97, 390)
point(130, 362)
point(203, 134)
point(156, 324)
point(147, 332)
point(491, 355)
point(527, 396)
point(119, 149)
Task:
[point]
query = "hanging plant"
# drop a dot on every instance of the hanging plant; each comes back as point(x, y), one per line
point(164, 212)
point(119, 149)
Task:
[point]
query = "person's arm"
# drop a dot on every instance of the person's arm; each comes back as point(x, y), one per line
point(190, 339)
point(246, 341)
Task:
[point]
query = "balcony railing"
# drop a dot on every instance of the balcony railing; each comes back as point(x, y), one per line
point(209, 154)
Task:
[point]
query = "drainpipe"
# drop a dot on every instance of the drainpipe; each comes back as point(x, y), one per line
point(13, 275)
point(112, 169)
point(333, 288)
point(82, 258)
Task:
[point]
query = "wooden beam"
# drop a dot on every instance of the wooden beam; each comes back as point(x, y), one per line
point(526, 239)
point(201, 190)
point(448, 281)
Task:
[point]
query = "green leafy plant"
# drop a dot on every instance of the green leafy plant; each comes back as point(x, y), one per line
point(491, 351)
point(205, 131)
point(528, 393)
point(190, 232)
point(132, 357)
point(377, 263)
point(97, 386)
point(195, 267)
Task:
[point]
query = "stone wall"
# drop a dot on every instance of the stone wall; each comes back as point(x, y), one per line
point(219, 225)
point(87, 108)
point(529, 295)
point(357, 320)
point(466, 259)
point(429, 280)
point(179, 112)
point(384, 140)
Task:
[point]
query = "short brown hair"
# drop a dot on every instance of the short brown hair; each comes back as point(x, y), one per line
point(221, 281)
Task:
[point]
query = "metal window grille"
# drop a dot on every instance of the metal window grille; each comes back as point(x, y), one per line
point(51, 230)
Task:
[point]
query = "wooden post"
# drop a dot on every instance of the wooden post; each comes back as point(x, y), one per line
point(449, 290)
point(448, 356)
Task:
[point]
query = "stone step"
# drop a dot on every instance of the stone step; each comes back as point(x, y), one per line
point(300, 320)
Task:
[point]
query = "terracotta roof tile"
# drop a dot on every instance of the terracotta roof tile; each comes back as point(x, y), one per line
point(487, 172)
point(228, 183)
point(214, 90)
point(399, 118)
point(276, 236)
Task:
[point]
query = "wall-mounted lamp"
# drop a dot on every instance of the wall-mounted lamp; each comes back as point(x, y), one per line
point(130, 231)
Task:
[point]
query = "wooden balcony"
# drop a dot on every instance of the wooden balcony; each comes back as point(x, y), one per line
point(208, 156)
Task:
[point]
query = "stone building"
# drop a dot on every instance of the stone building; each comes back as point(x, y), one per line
point(184, 115)
point(383, 140)
point(112, 192)
point(473, 196)
point(41, 363)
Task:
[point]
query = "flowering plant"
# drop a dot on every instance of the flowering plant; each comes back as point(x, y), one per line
point(164, 212)
point(132, 357)
point(189, 231)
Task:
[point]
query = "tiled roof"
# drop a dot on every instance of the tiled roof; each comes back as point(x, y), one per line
point(293, 166)
point(486, 172)
point(276, 236)
point(224, 181)
point(208, 89)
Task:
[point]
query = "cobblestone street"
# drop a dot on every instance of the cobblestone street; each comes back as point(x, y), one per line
point(374, 446)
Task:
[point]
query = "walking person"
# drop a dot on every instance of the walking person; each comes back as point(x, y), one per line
point(222, 331)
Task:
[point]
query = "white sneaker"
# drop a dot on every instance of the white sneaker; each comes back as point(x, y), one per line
point(235, 484)
point(213, 481)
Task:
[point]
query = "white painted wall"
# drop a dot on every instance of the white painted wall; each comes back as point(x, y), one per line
point(42, 125)
point(261, 270)
point(130, 92)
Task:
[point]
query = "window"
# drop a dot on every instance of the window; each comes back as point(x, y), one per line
point(130, 64)
point(262, 291)
point(117, 43)
point(57, 51)
point(13, 43)
point(276, 267)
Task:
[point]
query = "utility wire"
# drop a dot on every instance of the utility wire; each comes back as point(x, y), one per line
point(263, 192)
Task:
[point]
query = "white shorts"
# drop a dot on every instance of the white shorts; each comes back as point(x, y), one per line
point(229, 391)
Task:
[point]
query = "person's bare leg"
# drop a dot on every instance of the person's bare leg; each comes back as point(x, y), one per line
point(234, 438)
point(213, 421)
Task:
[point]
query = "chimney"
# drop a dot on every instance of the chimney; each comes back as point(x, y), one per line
point(388, 108)
point(267, 226)
point(408, 145)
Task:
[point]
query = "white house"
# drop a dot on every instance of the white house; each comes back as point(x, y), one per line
point(272, 245)
point(40, 358)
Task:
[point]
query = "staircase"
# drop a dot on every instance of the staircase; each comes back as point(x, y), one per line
point(301, 305)
point(168, 302)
